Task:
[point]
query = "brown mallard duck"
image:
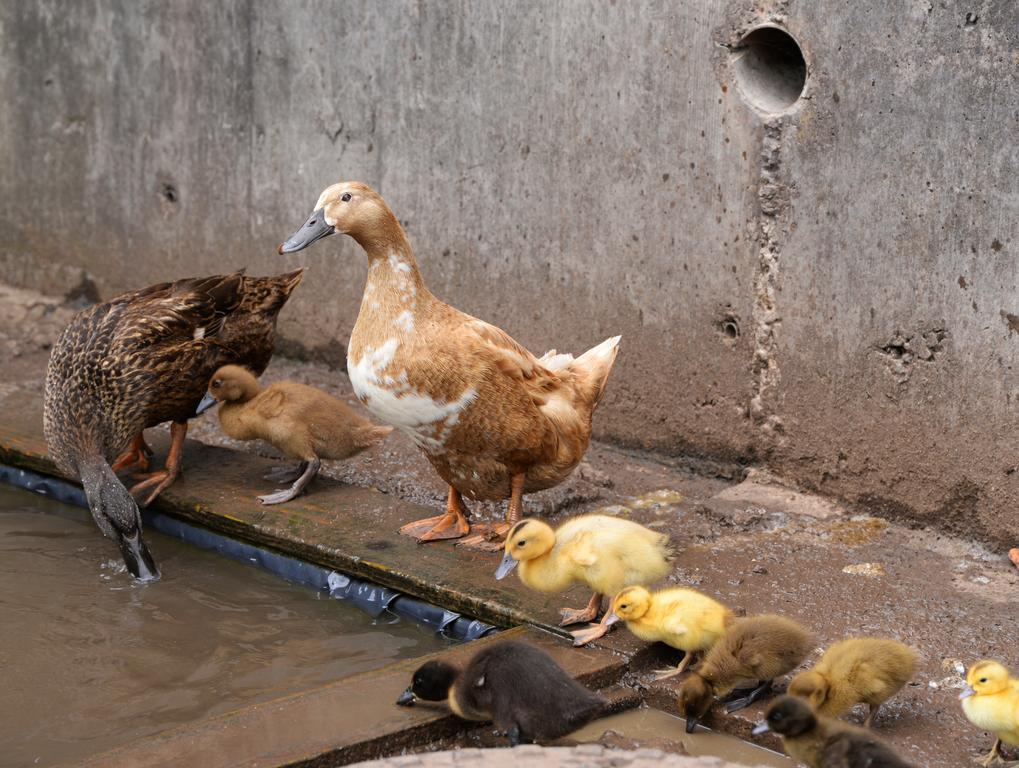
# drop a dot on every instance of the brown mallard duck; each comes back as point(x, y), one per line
point(141, 359)
point(494, 420)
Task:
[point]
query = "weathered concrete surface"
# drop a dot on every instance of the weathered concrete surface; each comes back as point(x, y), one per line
point(527, 756)
point(832, 291)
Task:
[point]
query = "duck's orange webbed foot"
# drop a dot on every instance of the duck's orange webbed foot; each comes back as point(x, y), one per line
point(1013, 555)
point(164, 477)
point(488, 537)
point(452, 525)
point(135, 458)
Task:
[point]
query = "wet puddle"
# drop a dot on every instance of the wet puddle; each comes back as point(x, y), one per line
point(91, 659)
point(653, 728)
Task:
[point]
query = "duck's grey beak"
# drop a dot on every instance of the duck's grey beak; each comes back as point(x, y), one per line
point(315, 228)
point(406, 698)
point(760, 728)
point(507, 565)
point(207, 402)
point(691, 724)
point(611, 619)
point(967, 692)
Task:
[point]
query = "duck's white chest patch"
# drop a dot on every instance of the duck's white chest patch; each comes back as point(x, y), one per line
point(392, 399)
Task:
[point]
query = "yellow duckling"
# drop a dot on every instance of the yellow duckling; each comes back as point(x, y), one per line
point(300, 421)
point(606, 553)
point(991, 702)
point(862, 670)
point(682, 618)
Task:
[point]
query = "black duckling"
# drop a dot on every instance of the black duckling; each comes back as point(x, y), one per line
point(822, 742)
point(755, 648)
point(516, 686)
point(139, 360)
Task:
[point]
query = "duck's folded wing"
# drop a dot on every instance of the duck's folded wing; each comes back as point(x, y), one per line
point(515, 361)
point(185, 310)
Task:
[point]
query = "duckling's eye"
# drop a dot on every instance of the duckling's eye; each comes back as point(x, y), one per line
point(624, 606)
point(983, 679)
point(217, 383)
point(346, 197)
point(522, 542)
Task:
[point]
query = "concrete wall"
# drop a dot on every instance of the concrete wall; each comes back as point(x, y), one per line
point(831, 290)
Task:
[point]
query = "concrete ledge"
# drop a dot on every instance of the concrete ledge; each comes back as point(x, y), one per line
point(353, 719)
point(343, 527)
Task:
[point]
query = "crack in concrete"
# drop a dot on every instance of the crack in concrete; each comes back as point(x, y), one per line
point(773, 202)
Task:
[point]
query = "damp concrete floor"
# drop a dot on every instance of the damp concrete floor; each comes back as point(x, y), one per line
point(742, 537)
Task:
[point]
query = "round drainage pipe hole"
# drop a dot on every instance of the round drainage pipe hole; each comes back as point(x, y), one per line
point(770, 69)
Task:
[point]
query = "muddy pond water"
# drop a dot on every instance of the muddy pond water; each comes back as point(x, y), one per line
point(91, 659)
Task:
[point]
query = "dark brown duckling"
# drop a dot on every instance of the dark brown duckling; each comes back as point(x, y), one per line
point(139, 360)
point(516, 686)
point(822, 742)
point(756, 648)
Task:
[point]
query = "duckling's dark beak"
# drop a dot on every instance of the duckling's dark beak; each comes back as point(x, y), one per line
point(406, 698)
point(507, 565)
point(315, 228)
point(761, 727)
point(207, 402)
point(967, 692)
point(691, 724)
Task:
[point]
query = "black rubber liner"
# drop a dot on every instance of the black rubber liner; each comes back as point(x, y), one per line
point(370, 598)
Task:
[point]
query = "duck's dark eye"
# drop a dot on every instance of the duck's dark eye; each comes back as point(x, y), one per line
point(776, 716)
point(217, 383)
point(522, 542)
point(983, 679)
point(624, 606)
point(346, 197)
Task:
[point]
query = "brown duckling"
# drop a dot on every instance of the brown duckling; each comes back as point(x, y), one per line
point(516, 686)
point(756, 648)
point(821, 742)
point(861, 670)
point(300, 421)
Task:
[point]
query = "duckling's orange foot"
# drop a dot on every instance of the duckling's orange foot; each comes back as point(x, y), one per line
point(577, 616)
point(1013, 555)
point(585, 636)
point(439, 528)
point(487, 538)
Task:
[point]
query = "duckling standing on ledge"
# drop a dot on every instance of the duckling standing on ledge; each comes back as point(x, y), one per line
point(300, 421)
point(682, 618)
point(991, 702)
point(821, 742)
point(516, 686)
point(494, 420)
point(757, 648)
point(605, 553)
point(862, 670)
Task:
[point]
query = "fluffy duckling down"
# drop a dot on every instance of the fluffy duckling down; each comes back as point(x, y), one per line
point(861, 670)
point(605, 553)
point(755, 649)
point(682, 618)
point(822, 742)
point(991, 702)
point(518, 687)
point(299, 421)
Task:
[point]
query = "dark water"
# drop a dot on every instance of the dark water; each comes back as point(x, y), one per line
point(90, 658)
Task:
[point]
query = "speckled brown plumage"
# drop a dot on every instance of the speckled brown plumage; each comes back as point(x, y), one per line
point(144, 358)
